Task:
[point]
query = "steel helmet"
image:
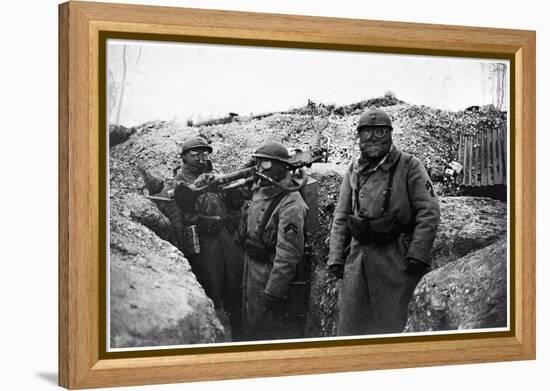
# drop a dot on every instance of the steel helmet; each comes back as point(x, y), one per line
point(273, 150)
point(374, 117)
point(195, 142)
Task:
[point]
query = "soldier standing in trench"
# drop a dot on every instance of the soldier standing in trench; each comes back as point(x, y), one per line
point(384, 226)
point(218, 265)
point(274, 244)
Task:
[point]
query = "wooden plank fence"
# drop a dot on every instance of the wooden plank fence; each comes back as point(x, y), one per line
point(483, 158)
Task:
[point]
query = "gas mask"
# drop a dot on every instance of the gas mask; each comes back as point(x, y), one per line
point(198, 158)
point(374, 141)
point(271, 168)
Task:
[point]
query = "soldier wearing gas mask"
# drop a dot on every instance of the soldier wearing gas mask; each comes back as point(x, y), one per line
point(384, 226)
point(273, 243)
point(215, 258)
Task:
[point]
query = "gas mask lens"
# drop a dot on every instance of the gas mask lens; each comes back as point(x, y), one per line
point(263, 164)
point(367, 133)
point(203, 154)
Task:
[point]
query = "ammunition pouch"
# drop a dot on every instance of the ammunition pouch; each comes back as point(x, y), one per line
point(190, 241)
point(378, 230)
point(209, 225)
point(386, 227)
point(257, 251)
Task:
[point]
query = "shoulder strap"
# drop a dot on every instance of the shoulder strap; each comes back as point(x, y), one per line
point(269, 211)
point(356, 192)
point(387, 193)
point(389, 186)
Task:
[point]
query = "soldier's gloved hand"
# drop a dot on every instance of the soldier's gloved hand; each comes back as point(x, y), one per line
point(337, 270)
point(204, 179)
point(273, 303)
point(414, 266)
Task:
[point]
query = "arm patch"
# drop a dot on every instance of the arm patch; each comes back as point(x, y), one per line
point(430, 188)
point(291, 227)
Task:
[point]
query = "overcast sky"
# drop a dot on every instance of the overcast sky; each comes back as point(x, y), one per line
point(181, 81)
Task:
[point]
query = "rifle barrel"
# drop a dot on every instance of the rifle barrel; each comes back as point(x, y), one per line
point(232, 176)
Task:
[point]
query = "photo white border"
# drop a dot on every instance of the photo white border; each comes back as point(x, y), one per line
point(316, 339)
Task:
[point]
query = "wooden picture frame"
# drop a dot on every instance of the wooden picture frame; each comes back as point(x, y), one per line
point(82, 26)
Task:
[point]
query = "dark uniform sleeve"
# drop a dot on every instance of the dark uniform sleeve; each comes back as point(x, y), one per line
point(339, 234)
point(289, 250)
point(174, 213)
point(426, 207)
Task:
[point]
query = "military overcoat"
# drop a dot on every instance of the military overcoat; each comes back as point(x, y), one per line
point(219, 265)
point(376, 288)
point(284, 233)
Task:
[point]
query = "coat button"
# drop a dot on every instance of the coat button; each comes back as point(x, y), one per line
point(363, 211)
point(361, 195)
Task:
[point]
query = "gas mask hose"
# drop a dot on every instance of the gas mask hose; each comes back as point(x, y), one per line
point(286, 188)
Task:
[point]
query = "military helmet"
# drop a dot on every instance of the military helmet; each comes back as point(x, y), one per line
point(273, 150)
point(195, 142)
point(374, 117)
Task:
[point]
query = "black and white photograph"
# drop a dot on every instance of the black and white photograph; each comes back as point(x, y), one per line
point(267, 194)
point(275, 195)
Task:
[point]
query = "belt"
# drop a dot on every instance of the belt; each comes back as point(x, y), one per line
point(258, 252)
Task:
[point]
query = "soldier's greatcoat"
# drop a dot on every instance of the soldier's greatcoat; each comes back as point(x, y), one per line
point(376, 288)
point(284, 233)
point(219, 266)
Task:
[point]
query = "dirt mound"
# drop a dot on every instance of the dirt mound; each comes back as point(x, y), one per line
point(155, 298)
point(118, 134)
point(467, 224)
point(430, 134)
point(357, 108)
point(467, 294)
point(433, 135)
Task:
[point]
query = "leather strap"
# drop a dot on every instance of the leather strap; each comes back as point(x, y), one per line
point(387, 193)
point(269, 211)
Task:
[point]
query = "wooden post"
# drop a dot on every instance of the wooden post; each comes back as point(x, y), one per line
point(476, 160)
point(497, 167)
point(459, 154)
point(489, 146)
point(483, 157)
point(470, 158)
point(490, 180)
point(479, 157)
point(464, 161)
point(472, 161)
point(493, 172)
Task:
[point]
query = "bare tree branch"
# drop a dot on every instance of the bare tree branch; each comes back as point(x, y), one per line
point(122, 84)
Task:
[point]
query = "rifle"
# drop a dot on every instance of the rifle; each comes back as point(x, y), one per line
point(315, 152)
point(187, 193)
point(248, 175)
